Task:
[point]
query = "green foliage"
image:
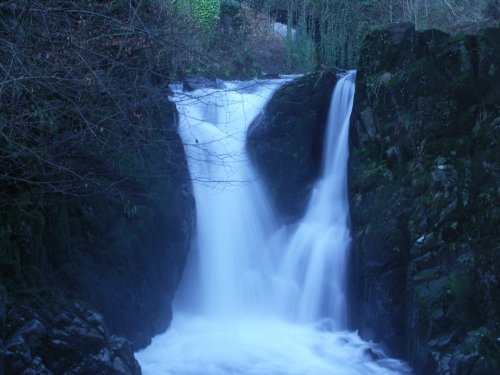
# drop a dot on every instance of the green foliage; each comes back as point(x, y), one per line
point(337, 27)
point(373, 172)
point(300, 48)
point(230, 7)
point(489, 347)
point(205, 12)
point(245, 45)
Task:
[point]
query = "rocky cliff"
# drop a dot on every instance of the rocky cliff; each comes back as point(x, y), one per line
point(79, 272)
point(96, 209)
point(424, 198)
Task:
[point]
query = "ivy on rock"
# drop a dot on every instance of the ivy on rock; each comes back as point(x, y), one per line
point(205, 12)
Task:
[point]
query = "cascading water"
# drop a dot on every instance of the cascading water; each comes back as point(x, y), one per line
point(316, 254)
point(254, 300)
point(233, 215)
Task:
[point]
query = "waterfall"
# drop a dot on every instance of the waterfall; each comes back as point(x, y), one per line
point(257, 299)
point(234, 217)
point(315, 256)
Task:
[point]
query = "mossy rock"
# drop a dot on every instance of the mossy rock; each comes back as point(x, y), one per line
point(427, 156)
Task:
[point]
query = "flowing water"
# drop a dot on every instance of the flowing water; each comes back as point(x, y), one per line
point(257, 298)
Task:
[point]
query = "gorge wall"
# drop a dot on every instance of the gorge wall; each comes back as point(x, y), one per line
point(79, 272)
point(424, 198)
point(96, 209)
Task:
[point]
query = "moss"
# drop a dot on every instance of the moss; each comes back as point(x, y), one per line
point(21, 249)
point(229, 7)
point(489, 347)
point(438, 105)
point(427, 274)
point(461, 286)
point(206, 12)
point(372, 173)
point(430, 293)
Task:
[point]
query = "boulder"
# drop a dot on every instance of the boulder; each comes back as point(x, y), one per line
point(286, 140)
point(64, 339)
point(196, 83)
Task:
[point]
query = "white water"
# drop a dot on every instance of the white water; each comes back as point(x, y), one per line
point(257, 298)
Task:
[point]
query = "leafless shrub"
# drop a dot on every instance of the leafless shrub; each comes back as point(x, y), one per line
point(83, 92)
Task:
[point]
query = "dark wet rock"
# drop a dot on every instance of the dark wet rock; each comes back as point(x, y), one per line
point(134, 252)
point(36, 367)
point(269, 75)
point(195, 83)
point(423, 189)
point(32, 332)
point(117, 246)
point(17, 354)
point(64, 339)
point(122, 252)
point(468, 357)
point(286, 140)
point(3, 301)
point(120, 257)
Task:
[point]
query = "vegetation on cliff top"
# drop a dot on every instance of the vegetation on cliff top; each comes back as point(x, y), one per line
point(329, 32)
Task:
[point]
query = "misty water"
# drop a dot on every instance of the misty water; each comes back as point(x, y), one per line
point(258, 297)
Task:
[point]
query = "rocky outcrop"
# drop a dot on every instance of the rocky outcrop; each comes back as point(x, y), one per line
point(62, 339)
point(128, 255)
point(120, 254)
point(95, 197)
point(424, 198)
point(196, 83)
point(286, 140)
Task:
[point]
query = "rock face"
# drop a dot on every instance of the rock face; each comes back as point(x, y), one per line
point(286, 140)
point(63, 339)
point(424, 198)
point(128, 255)
point(121, 254)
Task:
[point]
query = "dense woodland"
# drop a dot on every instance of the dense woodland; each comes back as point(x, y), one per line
point(85, 122)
